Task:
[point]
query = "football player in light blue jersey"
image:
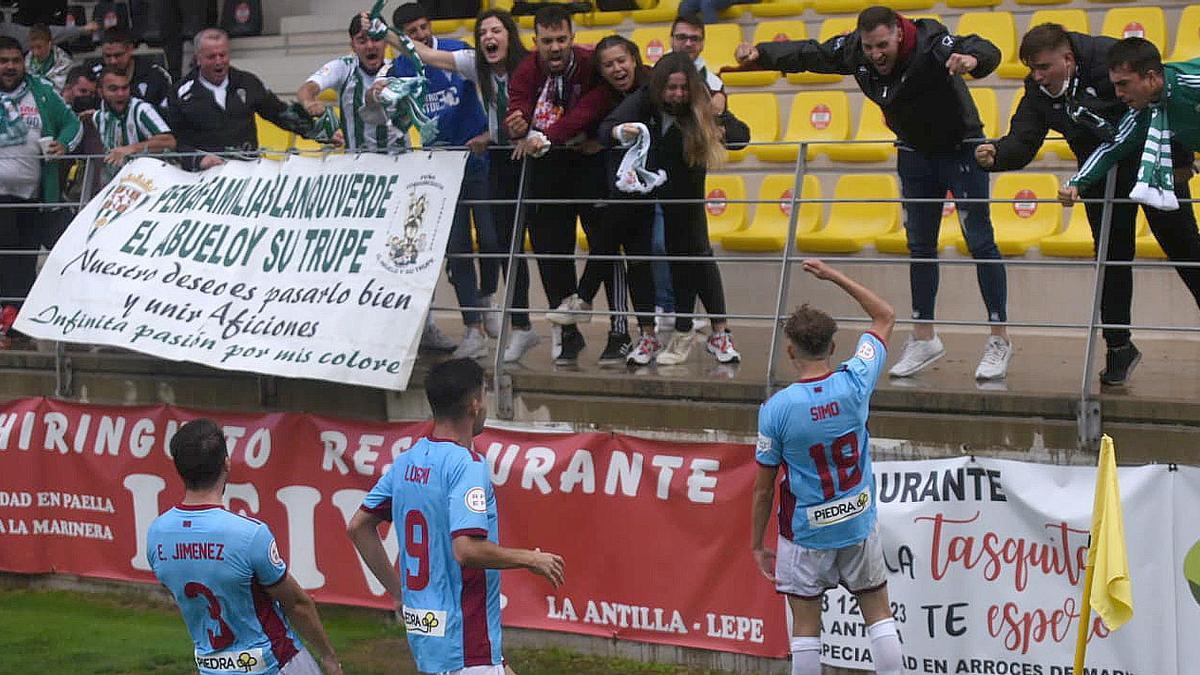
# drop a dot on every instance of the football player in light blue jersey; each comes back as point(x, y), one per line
point(816, 430)
point(232, 586)
point(439, 496)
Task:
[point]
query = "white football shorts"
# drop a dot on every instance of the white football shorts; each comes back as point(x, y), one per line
point(809, 572)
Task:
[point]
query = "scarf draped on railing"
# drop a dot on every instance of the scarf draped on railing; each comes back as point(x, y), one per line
point(13, 130)
point(1155, 186)
point(632, 175)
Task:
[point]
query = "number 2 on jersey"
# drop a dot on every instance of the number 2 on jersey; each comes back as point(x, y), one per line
point(224, 635)
point(845, 459)
point(418, 550)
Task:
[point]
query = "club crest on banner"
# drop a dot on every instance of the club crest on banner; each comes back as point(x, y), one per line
point(407, 250)
point(127, 195)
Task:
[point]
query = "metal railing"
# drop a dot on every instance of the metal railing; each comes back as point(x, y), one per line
point(1088, 416)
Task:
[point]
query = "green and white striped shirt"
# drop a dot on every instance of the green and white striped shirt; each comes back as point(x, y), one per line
point(351, 83)
point(139, 123)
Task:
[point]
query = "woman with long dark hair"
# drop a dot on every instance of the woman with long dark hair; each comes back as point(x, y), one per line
point(497, 52)
point(686, 139)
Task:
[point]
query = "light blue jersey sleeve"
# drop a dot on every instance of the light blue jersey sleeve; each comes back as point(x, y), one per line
point(268, 566)
point(867, 364)
point(769, 449)
point(468, 497)
point(378, 501)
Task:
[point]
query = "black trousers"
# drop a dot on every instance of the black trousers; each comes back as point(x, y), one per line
point(565, 174)
point(504, 175)
point(24, 227)
point(1175, 231)
point(687, 235)
point(180, 20)
point(627, 227)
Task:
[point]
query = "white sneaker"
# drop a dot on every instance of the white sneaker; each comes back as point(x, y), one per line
point(491, 319)
point(555, 342)
point(917, 356)
point(563, 316)
point(519, 342)
point(473, 345)
point(644, 351)
point(677, 350)
point(996, 355)
point(434, 339)
point(720, 345)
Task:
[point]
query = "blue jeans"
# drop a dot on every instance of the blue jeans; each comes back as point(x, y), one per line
point(929, 176)
point(462, 270)
point(664, 294)
point(709, 10)
point(487, 235)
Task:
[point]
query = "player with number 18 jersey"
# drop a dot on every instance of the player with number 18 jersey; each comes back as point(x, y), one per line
point(436, 491)
point(817, 428)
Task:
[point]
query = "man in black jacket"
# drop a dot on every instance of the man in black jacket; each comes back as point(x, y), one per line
point(212, 109)
point(1068, 91)
point(149, 82)
point(912, 70)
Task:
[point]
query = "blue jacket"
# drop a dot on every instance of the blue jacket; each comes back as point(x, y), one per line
point(452, 100)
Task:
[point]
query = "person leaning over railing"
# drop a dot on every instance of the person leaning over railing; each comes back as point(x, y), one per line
point(498, 50)
point(913, 70)
point(46, 59)
point(1068, 91)
point(685, 141)
point(212, 109)
point(35, 125)
point(622, 225)
point(127, 125)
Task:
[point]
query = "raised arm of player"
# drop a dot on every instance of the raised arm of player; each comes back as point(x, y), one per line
point(301, 611)
point(364, 532)
point(883, 317)
point(760, 513)
point(479, 552)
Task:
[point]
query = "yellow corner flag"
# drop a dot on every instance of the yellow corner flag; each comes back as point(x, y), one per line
point(1107, 587)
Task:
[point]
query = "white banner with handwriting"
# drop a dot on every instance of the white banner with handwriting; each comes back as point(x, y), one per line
point(314, 268)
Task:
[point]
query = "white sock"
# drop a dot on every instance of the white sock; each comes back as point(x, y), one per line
point(885, 647)
point(806, 656)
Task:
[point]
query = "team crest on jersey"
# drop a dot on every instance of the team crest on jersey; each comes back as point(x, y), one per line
point(128, 195)
point(276, 559)
point(866, 351)
point(476, 500)
point(764, 445)
point(241, 661)
point(430, 622)
point(840, 510)
point(410, 249)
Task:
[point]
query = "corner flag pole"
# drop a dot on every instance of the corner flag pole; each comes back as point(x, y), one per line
point(1085, 608)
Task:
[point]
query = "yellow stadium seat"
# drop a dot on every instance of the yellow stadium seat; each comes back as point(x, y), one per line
point(949, 232)
point(815, 116)
point(768, 230)
point(871, 127)
point(1073, 242)
point(839, 6)
point(1187, 38)
point(767, 31)
point(590, 38)
point(760, 112)
point(720, 41)
point(271, 137)
point(830, 28)
point(1072, 19)
point(1145, 244)
point(972, 3)
point(779, 7)
point(1054, 142)
point(1022, 225)
point(925, 15)
point(1143, 22)
point(655, 12)
point(985, 103)
point(654, 42)
point(599, 18)
point(1000, 29)
point(1042, 2)
point(446, 26)
point(723, 217)
point(853, 225)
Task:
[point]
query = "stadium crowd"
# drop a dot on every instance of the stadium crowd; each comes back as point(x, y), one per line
point(570, 115)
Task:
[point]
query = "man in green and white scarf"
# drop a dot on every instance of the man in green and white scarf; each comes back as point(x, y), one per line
point(127, 124)
point(1163, 101)
point(45, 59)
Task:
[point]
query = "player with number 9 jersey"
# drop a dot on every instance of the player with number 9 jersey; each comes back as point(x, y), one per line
point(434, 492)
point(817, 428)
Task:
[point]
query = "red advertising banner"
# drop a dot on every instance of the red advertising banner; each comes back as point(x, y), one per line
point(654, 533)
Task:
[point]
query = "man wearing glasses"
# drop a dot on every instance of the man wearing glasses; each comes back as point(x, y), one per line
point(1068, 91)
point(687, 36)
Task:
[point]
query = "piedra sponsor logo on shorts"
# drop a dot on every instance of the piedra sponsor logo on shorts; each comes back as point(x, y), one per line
point(841, 510)
point(431, 622)
point(241, 661)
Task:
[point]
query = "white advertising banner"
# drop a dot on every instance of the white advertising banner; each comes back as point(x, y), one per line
point(315, 268)
point(986, 560)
